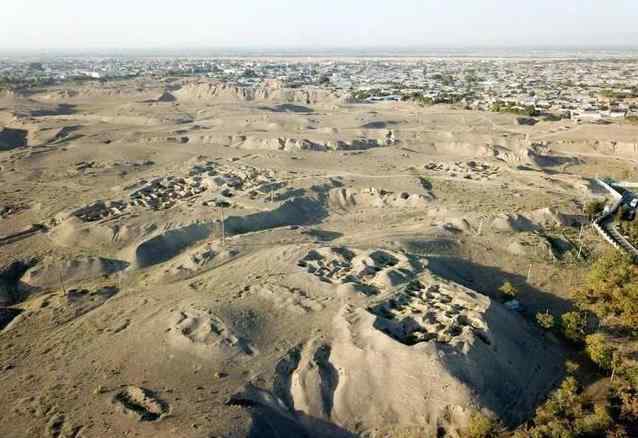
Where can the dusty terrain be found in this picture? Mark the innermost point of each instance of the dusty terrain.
(196, 260)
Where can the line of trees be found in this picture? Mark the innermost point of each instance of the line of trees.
(508, 107)
(604, 326)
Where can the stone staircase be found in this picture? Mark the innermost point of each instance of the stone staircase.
(605, 227)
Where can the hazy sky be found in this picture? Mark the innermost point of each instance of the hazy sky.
(76, 24)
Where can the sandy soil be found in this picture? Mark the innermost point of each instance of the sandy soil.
(199, 261)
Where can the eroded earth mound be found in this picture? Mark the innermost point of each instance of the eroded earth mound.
(193, 259)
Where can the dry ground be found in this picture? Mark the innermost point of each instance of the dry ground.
(354, 291)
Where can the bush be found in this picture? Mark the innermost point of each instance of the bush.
(571, 367)
(599, 351)
(567, 414)
(546, 320)
(508, 290)
(628, 398)
(611, 289)
(631, 374)
(595, 423)
(576, 326)
(594, 208)
(508, 107)
(629, 229)
(481, 426)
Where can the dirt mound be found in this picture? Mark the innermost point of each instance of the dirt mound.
(542, 155)
(429, 337)
(551, 217)
(288, 299)
(196, 330)
(44, 110)
(376, 198)
(296, 211)
(536, 220)
(127, 90)
(272, 91)
(472, 169)
(50, 273)
(58, 95)
(303, 144)
(12, 138)
(532, 245)
(368, 272)
(49, 136)
(169, 244)
(166, 97)
(199, 258)
(513, 223)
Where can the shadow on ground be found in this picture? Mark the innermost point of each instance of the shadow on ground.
(488, 279)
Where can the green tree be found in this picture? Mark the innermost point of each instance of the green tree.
(629, 229)
(599, 351)
(481, 426)
(611, 289)
(576, 325)
(567, 414)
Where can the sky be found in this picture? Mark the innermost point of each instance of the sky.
(157, 24)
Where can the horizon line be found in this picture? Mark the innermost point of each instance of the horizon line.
(303, 51)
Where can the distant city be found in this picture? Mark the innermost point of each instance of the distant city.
(586, 85)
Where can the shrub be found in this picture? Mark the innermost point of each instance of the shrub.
(546, 320)
(481, 426)
(594, 208)
(599, 351)
(567, 414)
(576, 326)
(629, 229)
(595, 423)
(571, 367)
(611, 289)
(628, 397)
(508, 290)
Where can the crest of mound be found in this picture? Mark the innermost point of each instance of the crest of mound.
(288, 144)
(270, 91)
(345, 199)
(455, 346)
(196, 330)
(50, 272)
(421, 356)
(536, 220)
(366, 271)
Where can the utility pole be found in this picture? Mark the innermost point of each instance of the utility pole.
(221, 214)
(62, 282)
(480, 227)
(580, 241)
